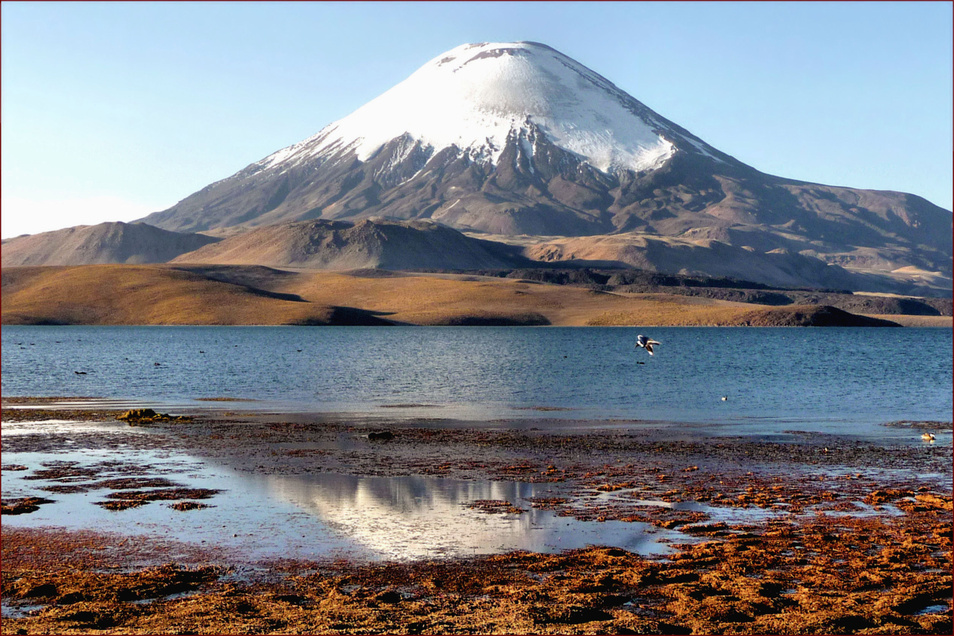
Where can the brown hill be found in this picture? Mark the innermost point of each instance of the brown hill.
(343, 245)
(131, 243)
(704, 257)
(235, 295)
(139, 294)
(811, 316)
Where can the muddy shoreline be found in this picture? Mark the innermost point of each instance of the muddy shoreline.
(855, 535)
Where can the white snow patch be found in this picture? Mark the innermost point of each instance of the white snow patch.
(443, 211)
(475, 96)
(527, 148)
(701, 148)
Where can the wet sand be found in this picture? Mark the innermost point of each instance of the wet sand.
(826, 534)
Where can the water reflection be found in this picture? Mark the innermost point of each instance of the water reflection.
(317, 516)
(417, 517)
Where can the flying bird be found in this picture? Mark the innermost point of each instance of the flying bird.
(645, 343)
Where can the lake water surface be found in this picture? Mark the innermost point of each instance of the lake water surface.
(843, 381)
(832, 379)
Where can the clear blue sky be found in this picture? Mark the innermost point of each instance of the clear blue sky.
(114, 110)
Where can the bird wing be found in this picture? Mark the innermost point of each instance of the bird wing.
(649, 348)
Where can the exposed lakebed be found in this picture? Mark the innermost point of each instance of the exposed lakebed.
(282, 500)
(283, 522)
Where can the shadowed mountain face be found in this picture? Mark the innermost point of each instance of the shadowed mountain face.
(133, 243)
(517, 139)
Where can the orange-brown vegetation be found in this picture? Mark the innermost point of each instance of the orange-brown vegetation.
(827, 576)
(171, 295)
(136, 294)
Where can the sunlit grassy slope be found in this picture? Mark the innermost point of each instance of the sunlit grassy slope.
(137, 294)
(249, 295)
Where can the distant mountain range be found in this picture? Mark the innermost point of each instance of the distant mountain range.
(520, 144)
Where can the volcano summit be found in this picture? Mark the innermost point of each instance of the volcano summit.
(504, 138)
(519, 140)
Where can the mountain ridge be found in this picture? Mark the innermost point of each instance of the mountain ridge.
(343, 245)
(112, 242)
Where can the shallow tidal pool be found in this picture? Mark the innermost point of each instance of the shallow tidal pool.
(318, 516)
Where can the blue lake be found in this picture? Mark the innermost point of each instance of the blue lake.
(847, 381)
(842, 381)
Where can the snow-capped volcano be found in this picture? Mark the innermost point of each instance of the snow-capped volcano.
(518, 139)
(509, 138)
(476, 97)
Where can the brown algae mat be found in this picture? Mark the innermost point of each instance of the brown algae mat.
(859, 540)
(826, 576)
